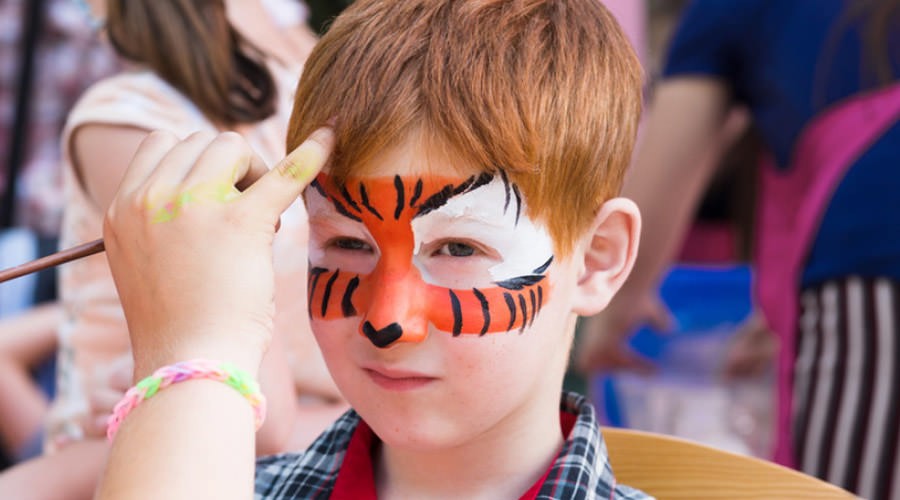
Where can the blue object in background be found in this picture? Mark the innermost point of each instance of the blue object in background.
(703, 301)
(17, 246)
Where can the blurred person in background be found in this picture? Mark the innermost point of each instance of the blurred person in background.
(62, 56)
(48, 57)
(194, 66)
(820, 78)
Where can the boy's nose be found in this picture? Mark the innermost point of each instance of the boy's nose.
(397, 309)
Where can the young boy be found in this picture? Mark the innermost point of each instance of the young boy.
(466, 216)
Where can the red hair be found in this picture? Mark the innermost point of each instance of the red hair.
(549, 91)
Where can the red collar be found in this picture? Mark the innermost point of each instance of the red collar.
(356, 479)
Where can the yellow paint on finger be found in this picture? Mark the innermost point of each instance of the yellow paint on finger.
(303, 163)
(221, 191)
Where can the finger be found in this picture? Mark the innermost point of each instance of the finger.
(584, 363)
(631, 361)
(102, 401)
(229, 162)
(94, 426)
(284, 183)
(151, 151)
(659, 318)
(175, 165)
(121, 378)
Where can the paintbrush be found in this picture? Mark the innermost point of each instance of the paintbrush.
(53, 259)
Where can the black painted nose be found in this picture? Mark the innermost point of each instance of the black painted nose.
(383, 337)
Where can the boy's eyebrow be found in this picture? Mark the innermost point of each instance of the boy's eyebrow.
(450, 191)
(341, 209)
(330, 214)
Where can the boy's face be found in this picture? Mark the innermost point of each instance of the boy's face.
(438, 304)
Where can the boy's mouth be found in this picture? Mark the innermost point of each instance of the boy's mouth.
(398, 380)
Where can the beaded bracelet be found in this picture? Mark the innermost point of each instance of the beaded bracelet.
(189, 370)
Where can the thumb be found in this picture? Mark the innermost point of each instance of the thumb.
(281, 186)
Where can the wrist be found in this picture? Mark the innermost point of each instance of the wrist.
(245, 356)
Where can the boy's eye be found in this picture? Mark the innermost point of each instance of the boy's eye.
(456, 249)
(352, 244)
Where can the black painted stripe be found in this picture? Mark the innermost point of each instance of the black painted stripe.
(462, 188)
(364, 198)
(511, 304)
(347, 300)
(506, 188)
(482, 179)
(435, 201)
(485, 310)
(543, 267)
(533, 306)
(401, 196)
(518, 202)
(457, 314)
(314, 275)
(417, 193)
(343, 210)
(346, 195)
(520, 282)
(326, 295)
(540, 298)
(441, 198)
(524, 313)
(318, 187)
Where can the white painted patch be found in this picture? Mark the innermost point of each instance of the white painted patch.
(479, 215)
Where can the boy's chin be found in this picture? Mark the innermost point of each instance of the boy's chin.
(422, 435)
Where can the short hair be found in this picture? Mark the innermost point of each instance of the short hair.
(548, 91)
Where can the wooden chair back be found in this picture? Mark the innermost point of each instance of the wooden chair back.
(674, 468)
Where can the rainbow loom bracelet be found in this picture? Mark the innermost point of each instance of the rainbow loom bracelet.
(189, 370)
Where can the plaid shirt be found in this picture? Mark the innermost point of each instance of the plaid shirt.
(581, 470)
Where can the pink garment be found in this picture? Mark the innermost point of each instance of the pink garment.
(94, 332)
(792, 205)
(632, 15)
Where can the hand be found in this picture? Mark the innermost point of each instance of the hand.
(189, 242)
(752, 350)
(107, 386)
(603, 345)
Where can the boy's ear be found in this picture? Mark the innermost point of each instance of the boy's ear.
(610, 249)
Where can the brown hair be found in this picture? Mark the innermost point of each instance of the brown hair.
(877, 22)
(191, 45)
(549, 91)
(880, 20)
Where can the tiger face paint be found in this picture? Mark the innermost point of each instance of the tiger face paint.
(404, 252)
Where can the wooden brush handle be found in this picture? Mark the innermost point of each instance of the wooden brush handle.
(54, 259)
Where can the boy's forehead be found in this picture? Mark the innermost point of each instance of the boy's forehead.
(414, 157)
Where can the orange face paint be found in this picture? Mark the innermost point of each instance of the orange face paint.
(395, 302)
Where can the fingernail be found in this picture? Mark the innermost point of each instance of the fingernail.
(324, 136)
